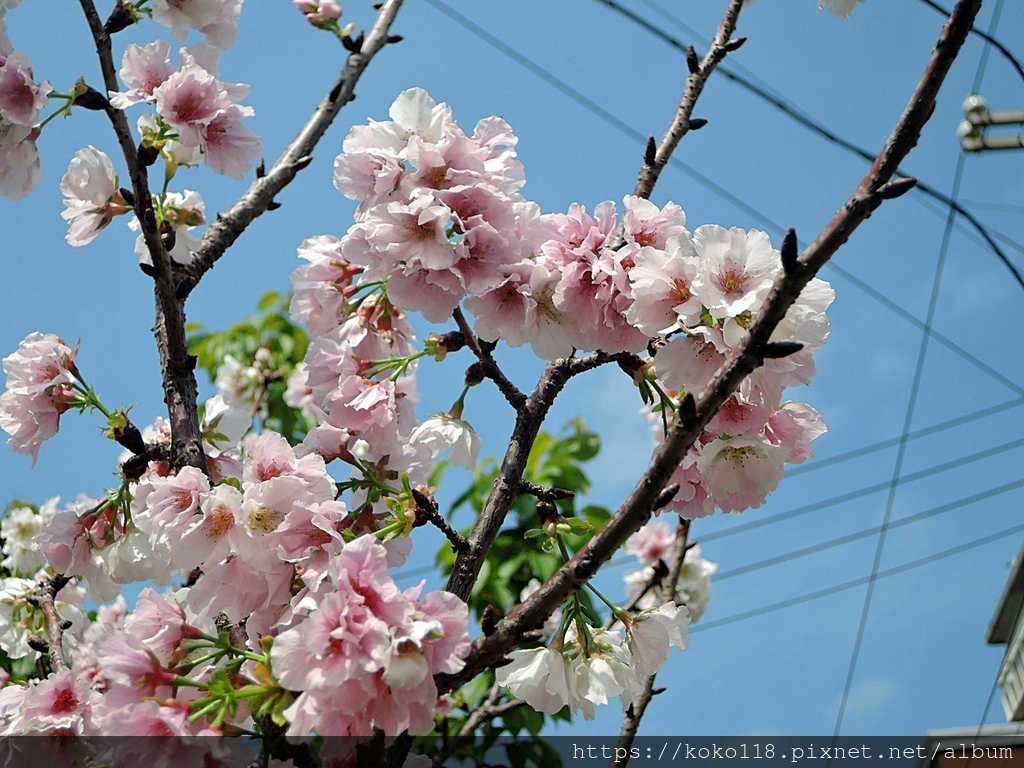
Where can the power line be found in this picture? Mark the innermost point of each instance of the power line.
(861, 492)
(832, 501)
(814, 126)
(856, 453)
(915, 388)
(984, 36)
(857, 582)
(725, 194)
(863, 534)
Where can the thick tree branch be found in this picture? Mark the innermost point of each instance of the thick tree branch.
(682, 121)
(44, 598)
(177, 366)
(636, 508)
(509, 484)
(223, 232)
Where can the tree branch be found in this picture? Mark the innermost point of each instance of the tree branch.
(507, 486)
(491, 708)
(667, 591)
(177, 366)
(490, 368)
(682, 122)
(229, 225)
(44, 598)
(694, 415)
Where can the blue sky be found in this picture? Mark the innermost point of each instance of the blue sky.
(923, 663)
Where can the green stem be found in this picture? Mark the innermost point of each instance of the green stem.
(64, 110)
(616, 610)
(180, 680)
(397, 525)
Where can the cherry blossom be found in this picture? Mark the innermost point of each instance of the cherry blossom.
(216, 19)
(21, 98)
(143, 70)
(365, 656)
(652, 632)
(40, 375)
(20, 168)
(440, 433)
(91, 195)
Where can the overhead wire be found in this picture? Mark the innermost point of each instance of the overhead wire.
(706, 182)
(839, 541)
(884, 574)
(990, 39)
(929, 332)
(911, 409)
(817, 127)
(841, 498)
(856, 453)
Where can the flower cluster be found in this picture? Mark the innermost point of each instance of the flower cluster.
(21, 101)
(441, 221)
(652, 546)
(41, 376)
(125, 668)
(365, 657)
(591, 665)
(289, 577)
(198, 117)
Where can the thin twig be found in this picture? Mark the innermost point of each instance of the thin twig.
(636, 508)
(682, 119)
(491, 709)
(230, 224)
(427, 511)
(177, 366)
(490, 367)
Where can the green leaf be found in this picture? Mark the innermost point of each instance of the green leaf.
(475, 691)
(578, 526)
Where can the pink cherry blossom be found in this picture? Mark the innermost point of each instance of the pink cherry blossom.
(59, 705)
(689, 362)
(216, 19)
(661, 286)
(189, 100)
(143, 70)
(736, 269)
(652, 543)
(21, 98)
(229, 146)
(159, 624)
(741, 472)
(20, 169)
(319, 13)
(165, 506)
(40, 375)
(646, 224)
